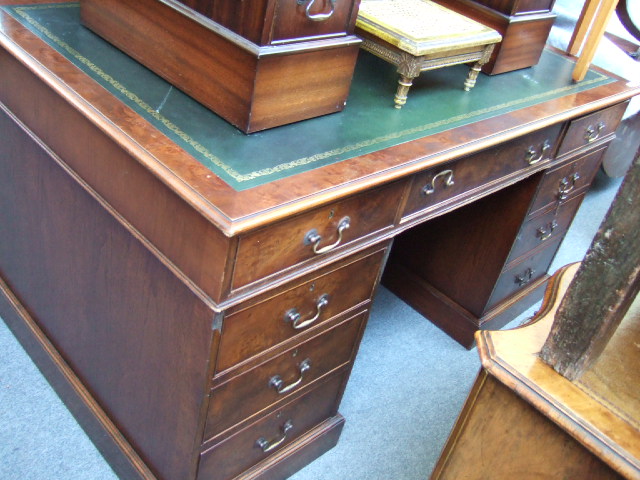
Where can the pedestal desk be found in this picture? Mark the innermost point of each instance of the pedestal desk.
(197, 307)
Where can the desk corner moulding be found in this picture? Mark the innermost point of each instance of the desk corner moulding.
(148, 281)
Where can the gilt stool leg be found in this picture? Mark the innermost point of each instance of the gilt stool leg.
(470, 82)
(404, 83)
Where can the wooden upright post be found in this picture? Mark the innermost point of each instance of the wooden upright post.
(589, 30)
(583, 25)
(604, 287)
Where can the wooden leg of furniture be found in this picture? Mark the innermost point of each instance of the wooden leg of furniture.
(594, 36)
(470, 82)
(404, 84)
(581, 30)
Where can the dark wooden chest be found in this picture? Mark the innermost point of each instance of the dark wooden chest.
(523, 24)
(257, 64)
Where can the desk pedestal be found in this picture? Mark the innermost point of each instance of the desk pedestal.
(481, 265)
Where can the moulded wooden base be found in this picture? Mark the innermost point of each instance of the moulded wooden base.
(456, 321)
(252, 87)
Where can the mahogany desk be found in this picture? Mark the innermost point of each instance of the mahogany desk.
(201, 322)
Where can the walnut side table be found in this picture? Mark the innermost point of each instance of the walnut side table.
(524, 420)
(420, 35)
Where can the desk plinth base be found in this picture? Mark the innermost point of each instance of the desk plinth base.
(448, 315)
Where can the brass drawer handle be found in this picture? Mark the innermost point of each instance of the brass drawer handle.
(294, 316)
(545, 232)
(269, 445)
(533, 156)
(567, 184)
(314, 238)
(525, 278)
(277, 382)
(431, 188)
(592, 133)
(317, 17)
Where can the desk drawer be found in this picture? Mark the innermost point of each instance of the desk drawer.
(315, 234)
(462, 178)
(566, 181)
(277, 21)
(279, 378)
(543, 228)
(305, 307)
(242, 450)
(292, 23)
(591, 128)
(518, 276)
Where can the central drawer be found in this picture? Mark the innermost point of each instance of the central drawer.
(456, 181)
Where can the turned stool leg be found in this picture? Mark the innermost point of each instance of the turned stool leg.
(470, 82)
(404, 83)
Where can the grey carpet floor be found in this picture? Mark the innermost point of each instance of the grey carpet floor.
(406, 390)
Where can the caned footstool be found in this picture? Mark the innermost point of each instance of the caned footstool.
(420, 35)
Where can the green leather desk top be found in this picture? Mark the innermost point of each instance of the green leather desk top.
(368, 123)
